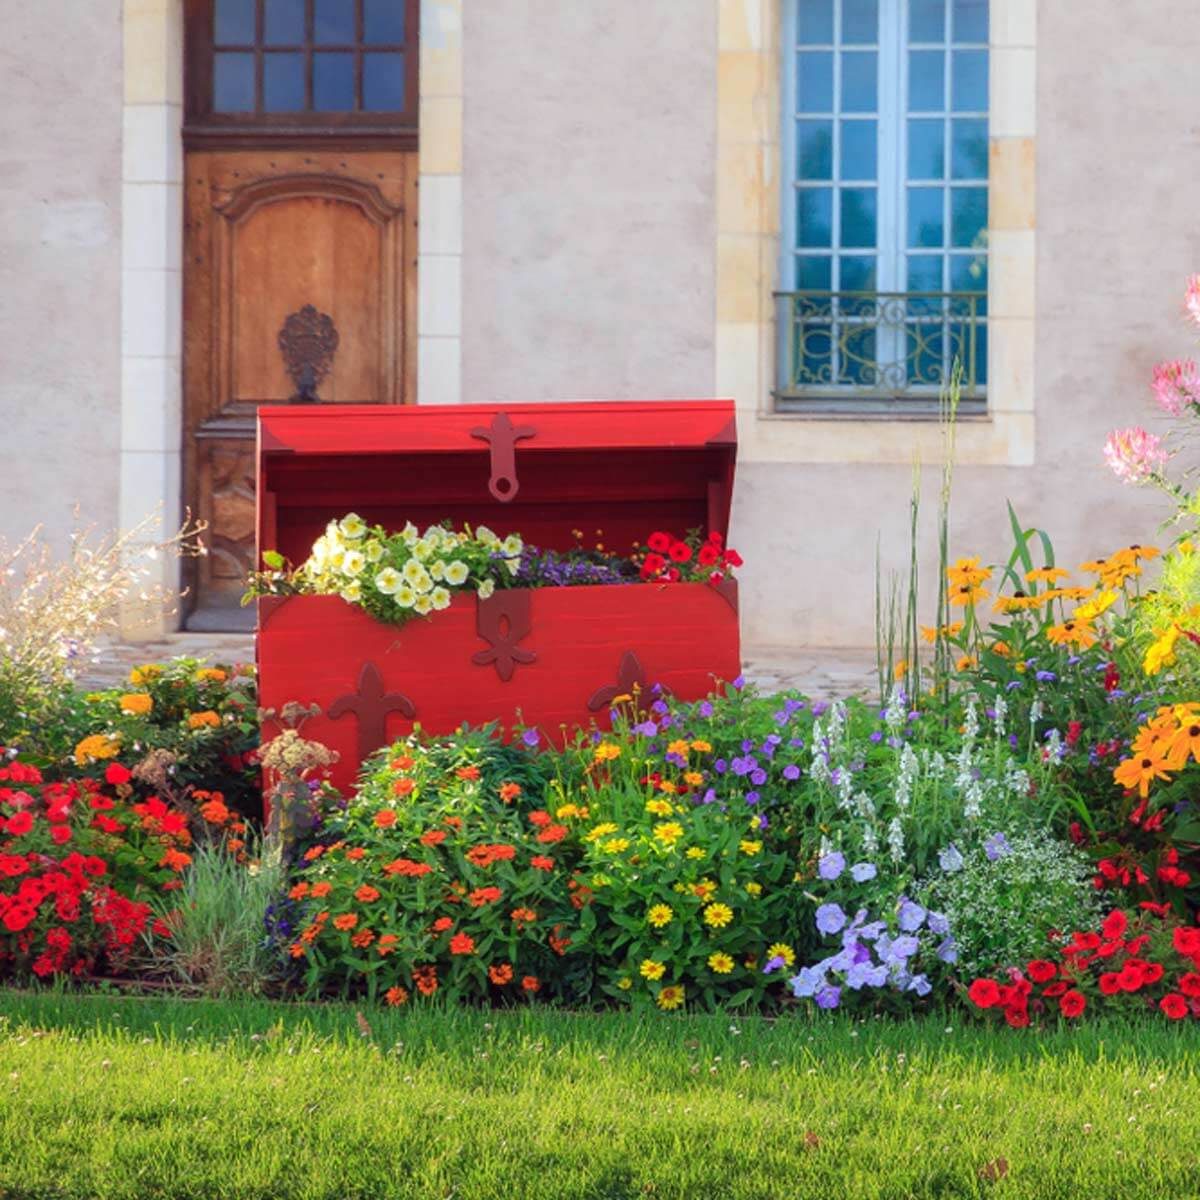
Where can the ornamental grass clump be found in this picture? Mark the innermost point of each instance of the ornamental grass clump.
(1003, 895)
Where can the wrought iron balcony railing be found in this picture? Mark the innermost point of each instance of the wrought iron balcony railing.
(879, 351)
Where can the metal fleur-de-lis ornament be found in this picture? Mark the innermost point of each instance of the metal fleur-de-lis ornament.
(371, 705)
(630, 676)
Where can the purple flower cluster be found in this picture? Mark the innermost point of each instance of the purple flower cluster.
(550, 568)
(871, 956)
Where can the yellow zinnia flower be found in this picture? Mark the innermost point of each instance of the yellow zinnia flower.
(679, 747)
(720, 963)
(599, 831)
(754, 889)
(669, 832)
(1162, 652)
(136, 704)
(782, 950)
(670, 997)
(660, 915)
(659, 808)
(625, 983)
(651, 969)
(718, 915)
(606, 752)
(701, 747)
(746, 846)
(695, 852)
(615, 845)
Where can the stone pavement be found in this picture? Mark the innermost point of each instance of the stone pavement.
(821, 672)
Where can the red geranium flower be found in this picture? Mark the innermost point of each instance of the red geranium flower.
(984, 993)
(1072, 1004)
(1174, 1006)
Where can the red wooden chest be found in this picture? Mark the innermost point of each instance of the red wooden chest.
(550, 658)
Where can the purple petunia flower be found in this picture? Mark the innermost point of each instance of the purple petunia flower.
(948, 951)
(720, 766)
(830, 918)
(758, 777)
(791, 772)
(831, 865)
(912, 916)
(877, 736)
(646, 729)
(531, 737)
(996, 847)
(1046, 677)
(738, 683)
(807, 981)
(920, 985)
(828, 997)
(774, 964)
(863, 872)
(706, 708)
(938, 923)
(752, 797)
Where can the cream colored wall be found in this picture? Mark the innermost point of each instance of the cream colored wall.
(60, 262)
(588, 205)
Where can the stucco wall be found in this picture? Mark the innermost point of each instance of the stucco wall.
(588, 199)
(60, 260)
(1117, 233)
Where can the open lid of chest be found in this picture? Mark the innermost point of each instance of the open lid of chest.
(614, 471)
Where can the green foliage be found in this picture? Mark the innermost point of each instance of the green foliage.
(1008, 895)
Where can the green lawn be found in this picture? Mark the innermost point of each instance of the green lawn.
(113, 1097)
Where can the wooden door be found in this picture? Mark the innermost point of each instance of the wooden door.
(300, 137)
(300, 281)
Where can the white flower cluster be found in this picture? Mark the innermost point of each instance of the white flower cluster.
(416, 572)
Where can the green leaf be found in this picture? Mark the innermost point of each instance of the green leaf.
(273, 559)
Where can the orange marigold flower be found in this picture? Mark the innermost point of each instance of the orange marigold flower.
(203, 720)
(500, 973)
(366, 893)
(385, 818)
(442, 924)
(176, 860)
(298, 892)
(542, 862)
(509, 792)
(362, 939)
(551, 834)
(434, 837)
(321, 889)
(345, 921)
(484, 895)
(531, 984)
(462, 943)
(396, 996)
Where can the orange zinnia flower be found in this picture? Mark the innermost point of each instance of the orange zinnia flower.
(402, 763)
(406, 866)
(298, 950)
(425, 977)
(355, 854)
(362, 939)
(442, 924)
(552, 833)
(531, 984)
(434, 837)
(524, 915)
(500, 973)
(453, 822)
(321, 889)
(467, 772)
(298, 892)
(366, 893)
(387, 944)
(175, 859)
(484, 895)
(462, 943)
(542, 862)
(396, 996)
(509, 792)
(385, 818)
(345, 921)
(403, 787)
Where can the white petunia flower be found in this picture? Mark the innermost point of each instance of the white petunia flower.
(456, 573)
(409, 534)
(486, 536)
(405, 597)
(352, 591)
(486, 588)
(352, 526)
(513, 544)
(389, 581)
(437, 569)
(413, 571)
(423, 605)
(373, 551)
(440, 598)
(354, 562)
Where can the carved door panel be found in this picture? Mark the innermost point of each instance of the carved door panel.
(300, 284)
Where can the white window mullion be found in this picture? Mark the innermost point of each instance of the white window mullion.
(889, 339)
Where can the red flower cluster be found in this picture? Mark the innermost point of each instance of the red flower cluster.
(674, 560)
(1111, 964)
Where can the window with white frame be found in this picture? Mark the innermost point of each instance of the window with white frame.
(883, 279)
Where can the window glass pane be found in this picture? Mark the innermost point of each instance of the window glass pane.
(816, 23)
(970, 80)
(814, 217)
(233, 23)
(333, 82)
(283, 82)
(981, 354)
(283, 22)
(814, 273)
(333, 22)
(857, 272)
(383, 21)
(859, 158)
(383, 82)
(859, 81)
(924, 272)
(233, 82)
(969, 156)
(925, 224)
(860, 22)
(968, 273)
(814, 81)
(926, 81)
(971, 21)
(856, 364)
(927, 20)
(858, 216)
(815, 149)
(926, 149)
(968, 215)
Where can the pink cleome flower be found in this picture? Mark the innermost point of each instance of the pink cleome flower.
(1191, 298)
(1176, 386)
(1134, 455)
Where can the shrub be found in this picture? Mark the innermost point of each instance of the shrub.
(439, 878)
(1004, 895)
